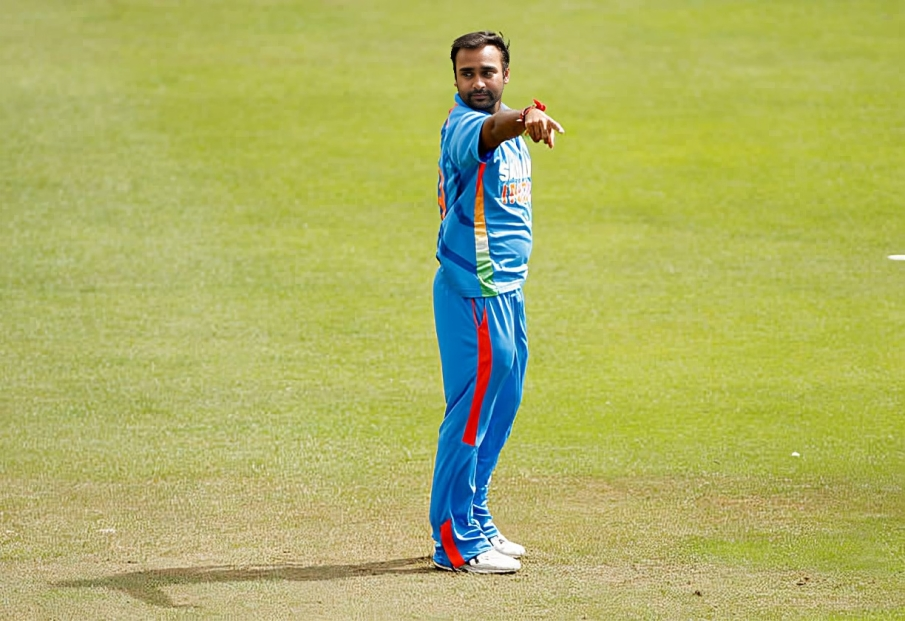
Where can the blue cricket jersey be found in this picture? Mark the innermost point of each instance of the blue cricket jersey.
(485, 208)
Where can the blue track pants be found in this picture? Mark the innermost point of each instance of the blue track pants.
(483, 353)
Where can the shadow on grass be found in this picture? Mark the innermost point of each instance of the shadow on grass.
(147, 585)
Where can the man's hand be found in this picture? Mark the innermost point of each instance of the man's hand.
(540, 127)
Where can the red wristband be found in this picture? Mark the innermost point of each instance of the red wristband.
(537, 104)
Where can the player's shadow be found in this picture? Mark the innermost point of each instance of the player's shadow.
(148, 585)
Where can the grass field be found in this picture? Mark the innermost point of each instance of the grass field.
(219, 384)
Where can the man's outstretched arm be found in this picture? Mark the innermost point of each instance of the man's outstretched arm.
(507, 124)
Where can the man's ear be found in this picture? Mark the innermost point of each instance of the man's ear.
(506, 76)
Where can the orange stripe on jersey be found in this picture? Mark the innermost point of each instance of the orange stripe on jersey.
(483, 263)
(441, 193)
(441, 190)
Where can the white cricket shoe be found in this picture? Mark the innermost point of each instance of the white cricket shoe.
(509, 548)
(492, 562)
(489, 562)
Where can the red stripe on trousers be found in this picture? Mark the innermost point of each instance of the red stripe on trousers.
(449, 544)
(485, 359)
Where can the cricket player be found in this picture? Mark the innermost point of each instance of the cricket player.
(484, 195)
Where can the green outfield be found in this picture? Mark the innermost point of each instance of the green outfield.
(219, 383)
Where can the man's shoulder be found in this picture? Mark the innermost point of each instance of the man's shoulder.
(462, 123)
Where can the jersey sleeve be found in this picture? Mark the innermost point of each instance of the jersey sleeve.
(464, 139)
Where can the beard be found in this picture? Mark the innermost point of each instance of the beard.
(482, 100)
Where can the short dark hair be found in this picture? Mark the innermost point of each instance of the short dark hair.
(477, 40)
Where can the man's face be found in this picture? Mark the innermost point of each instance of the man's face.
(480, 77)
